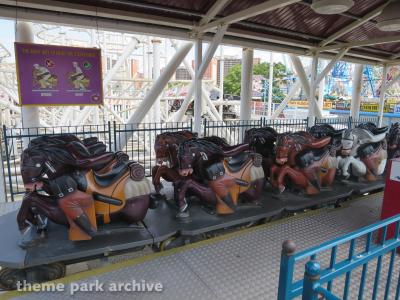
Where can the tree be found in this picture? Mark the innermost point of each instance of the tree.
(232, 80)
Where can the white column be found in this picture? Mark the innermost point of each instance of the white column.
(156, 73)
(246, 92)
(312, 104)
(221, 80)
(382, 95)
(198, 104)
(356, 91)
(29, 115)
(271, 83)
(321, 89)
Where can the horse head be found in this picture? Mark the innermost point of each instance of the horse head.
(393, 137)
(166, 145)
(353, 138)
(194, 153)
(284, 143)
(261, 140)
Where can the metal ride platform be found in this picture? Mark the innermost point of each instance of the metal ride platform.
(161, 225)
(239, 265)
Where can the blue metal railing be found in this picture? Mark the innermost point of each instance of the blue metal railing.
(311, 287)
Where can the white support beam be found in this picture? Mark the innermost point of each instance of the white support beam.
(198, 103)
(252, 11)
(155, 91)
(213, 11)
(382, 95)
(212, 47)
(363, 43)
(298, 67)
(330, 66)
(377, 11)
(292, 92)
(392, 82)
(132, 45)
(356, 92)
(156, 73)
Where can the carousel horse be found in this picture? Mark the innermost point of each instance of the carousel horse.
(166, 146)
(372, 128)
(305, 160)
(262, 141)
(363, 154)
(79, 190)
(222, 180)
(393, 141)
(326, 130)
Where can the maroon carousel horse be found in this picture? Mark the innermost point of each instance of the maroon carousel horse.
(216, 179)
(82, 189)
(262, 141)
(305, 160)
(393, 141)
(166, 149)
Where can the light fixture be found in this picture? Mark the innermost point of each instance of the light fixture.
(389, 19)
(331, 7)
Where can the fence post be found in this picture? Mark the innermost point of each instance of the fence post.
(286, 270)
(115, 135)
(191, 124)
(8, 163)
(350, 123)
(308, 122)
(205, 128)
(109, 136)
(310, 282)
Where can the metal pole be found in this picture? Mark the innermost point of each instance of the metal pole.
(382, 95)
(198, 107)
(156, 73)
(29, 115)
(246, 92)
(221, 80)
(154, 92)
(271, 80)
(356, 92)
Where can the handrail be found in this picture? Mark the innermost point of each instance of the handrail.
(314, 277)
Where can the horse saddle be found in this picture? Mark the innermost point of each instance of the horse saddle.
(230, 151)
(236, 163)
(308, 157)
(112, 176)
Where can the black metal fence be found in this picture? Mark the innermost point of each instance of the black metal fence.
(139, 139)
(232, 131)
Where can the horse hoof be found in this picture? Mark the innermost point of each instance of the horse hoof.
(183, 215)
(155, 200)
(30, 238)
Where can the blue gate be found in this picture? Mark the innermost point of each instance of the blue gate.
(377, 240)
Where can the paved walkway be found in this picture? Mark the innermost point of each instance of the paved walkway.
(242, 265)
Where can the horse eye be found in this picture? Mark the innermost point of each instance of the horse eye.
(193, 154)
(37, 165)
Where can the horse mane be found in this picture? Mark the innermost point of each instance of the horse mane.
(217, 140)
(202, 144)
(59, 139)
(54, 153)
(255, 135)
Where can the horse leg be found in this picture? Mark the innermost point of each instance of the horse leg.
(36, 204)
(79, 210)
(300, 180)
(221, 186)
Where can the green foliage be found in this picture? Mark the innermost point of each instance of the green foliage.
(232, 80)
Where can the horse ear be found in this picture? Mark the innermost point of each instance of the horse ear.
(204, 156)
